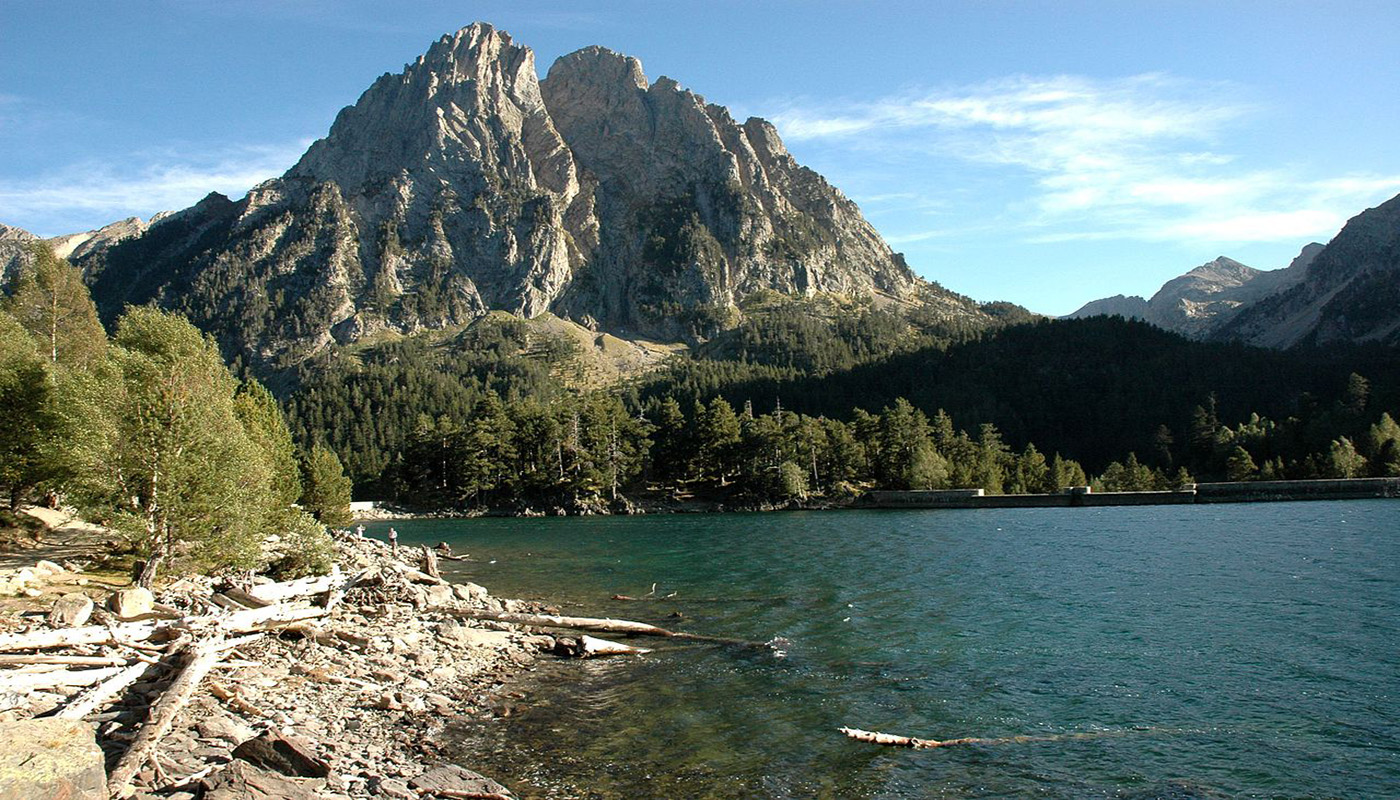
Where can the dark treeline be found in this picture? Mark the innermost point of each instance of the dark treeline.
(1093, 389)
(594, 453)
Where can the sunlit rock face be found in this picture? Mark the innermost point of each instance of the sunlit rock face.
(465, 184)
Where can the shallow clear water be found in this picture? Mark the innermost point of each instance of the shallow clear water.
(1206, 651)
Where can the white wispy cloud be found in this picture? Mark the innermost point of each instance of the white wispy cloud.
(90, 194)
(1144, 157)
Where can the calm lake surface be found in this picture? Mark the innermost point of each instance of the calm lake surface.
(1170, 651)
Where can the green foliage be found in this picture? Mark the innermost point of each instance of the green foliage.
(265, 426)
(1240, 466)
(1343, 461)
(306, 548)
(28, 422)
(50, 300)
(161, 453)
(326, 488)
(367, 408)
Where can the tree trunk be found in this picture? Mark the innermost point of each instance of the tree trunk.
(147, 578)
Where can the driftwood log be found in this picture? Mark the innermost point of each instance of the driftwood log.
(202, 655)
(103, 693)
(585, 646)
(75, 661)
(242, 621)
(23, 682)
(622, 626)
(892, 740)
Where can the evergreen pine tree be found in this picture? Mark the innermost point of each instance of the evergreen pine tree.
(327, 493)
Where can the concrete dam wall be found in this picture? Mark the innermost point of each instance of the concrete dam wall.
(1082, 496)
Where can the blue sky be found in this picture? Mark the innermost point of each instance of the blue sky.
(1043, 153)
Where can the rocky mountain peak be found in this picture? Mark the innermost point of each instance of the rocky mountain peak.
(599, 67)
(1346, 291)
(465, 184)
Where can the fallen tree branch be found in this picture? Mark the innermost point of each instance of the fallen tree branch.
(235, 701)
(301, 587)
(24, 682)
(89, 634)
(77, 661)
(128, 633)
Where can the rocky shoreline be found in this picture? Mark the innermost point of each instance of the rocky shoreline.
(345, 703)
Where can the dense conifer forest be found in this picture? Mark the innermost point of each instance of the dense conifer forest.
(791, 406)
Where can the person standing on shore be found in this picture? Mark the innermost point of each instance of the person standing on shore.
(394, 540)
(360, 531)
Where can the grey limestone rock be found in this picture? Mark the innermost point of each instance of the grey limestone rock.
(50, 758)
(71, 610)
(131, 603)
(243, 781)
(454, 778)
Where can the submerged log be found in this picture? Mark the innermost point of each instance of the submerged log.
(594, 624)
(585, 646)
(891, 740)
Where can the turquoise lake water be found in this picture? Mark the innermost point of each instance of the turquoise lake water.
(1170, 651)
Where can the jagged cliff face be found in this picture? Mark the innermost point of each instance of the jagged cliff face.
(465, 183)
(1350, 292)
(695, 209)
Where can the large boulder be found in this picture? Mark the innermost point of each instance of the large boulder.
(71, 611)
(132, 603)
(284, 754)
(50, 759)
(450, 778)
(243, 781)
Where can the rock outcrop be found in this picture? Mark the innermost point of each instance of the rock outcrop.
(695, 209)
(465, 184)
(16, 252)
(50, 758)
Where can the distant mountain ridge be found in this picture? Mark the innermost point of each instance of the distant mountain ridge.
(1202, 301)
(1345, 291)
(465, 184)
(1350, 292)
(15, 243)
